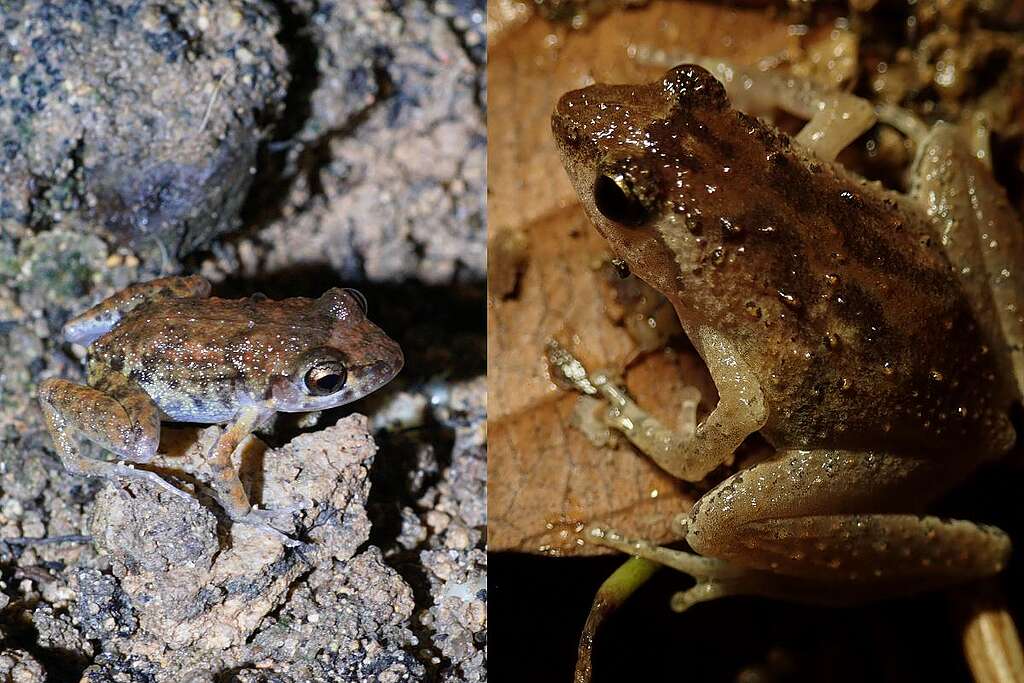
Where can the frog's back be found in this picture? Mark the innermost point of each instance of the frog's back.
(200, 359)
(839, 294)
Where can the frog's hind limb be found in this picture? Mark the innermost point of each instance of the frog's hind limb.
(117, 415)
(803, 525)
(696, 449)
(89, 326)
(834, 118)
(980, 232)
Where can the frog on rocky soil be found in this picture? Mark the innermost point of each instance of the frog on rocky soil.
(164, 351)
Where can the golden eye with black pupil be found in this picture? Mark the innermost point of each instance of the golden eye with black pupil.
(325, 378)
(626, 192)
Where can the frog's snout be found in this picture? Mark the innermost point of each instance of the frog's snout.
(392, 364)
(565, 132)
(382, 372)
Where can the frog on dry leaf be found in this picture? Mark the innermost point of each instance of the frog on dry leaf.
(874, 338)
(163, 350)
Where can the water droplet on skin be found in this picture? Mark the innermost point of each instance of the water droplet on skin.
(831, 279)
(718, 256)
(936, 376)
(730, 227)
(832, 340)
(789, 299)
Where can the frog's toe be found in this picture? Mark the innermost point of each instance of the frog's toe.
(128, 471)
(261, 519)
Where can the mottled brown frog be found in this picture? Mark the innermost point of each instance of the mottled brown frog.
(163, 350)
(875, 338)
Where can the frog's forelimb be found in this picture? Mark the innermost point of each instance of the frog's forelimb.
(697, 449)
(230, 493)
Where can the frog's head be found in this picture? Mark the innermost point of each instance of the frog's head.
(646, 161)
(348, 357)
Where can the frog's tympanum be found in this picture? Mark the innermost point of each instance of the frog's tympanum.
(163, 350)
(874, 338)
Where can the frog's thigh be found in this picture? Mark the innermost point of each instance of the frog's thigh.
(230, 492)
(89, 326)
(980, 232)
(691, 454)
(813, 515)
(117, 415)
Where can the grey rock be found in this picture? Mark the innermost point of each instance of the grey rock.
(153, 531)
(137, 119)
(194, 603)
(57, 633)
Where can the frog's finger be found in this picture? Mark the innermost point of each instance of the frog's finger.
(259, 519)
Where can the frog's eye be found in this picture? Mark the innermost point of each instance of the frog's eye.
(325, 378)
(626, 192)
(617, 202)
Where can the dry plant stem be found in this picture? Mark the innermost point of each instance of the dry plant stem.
(47, 540)
(615, 590)
(990, 640)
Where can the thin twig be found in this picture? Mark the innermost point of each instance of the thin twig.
(213, 100)
(47, 540)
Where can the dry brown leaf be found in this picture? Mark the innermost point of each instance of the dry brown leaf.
(545, 477)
